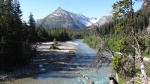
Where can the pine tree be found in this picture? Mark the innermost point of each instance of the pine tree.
(126, 7)
(32, 29)
(14, 51)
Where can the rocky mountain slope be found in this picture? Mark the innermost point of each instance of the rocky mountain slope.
(106, 18)
(61, 18)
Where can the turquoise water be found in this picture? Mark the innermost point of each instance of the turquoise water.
(84, 56)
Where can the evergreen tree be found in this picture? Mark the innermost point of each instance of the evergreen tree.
(130, 47)
(32, 29)
(14, 51)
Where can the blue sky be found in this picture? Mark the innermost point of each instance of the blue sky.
(89, 8)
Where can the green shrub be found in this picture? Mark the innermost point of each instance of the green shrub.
(116, 62)
(54, 47)
(55, 42)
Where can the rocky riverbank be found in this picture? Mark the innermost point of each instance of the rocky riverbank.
(46, 60)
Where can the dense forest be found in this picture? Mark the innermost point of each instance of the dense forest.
(14, 36)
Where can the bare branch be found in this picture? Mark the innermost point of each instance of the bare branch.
(88, 79)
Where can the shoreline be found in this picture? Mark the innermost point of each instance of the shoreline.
(46, 60)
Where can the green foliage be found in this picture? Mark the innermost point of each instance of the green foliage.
(121, 7)
(116, 62)
(118, 44)
(55, 42)
(121, 80)
(125, 8)
(123, 66)
(15, 49)
(54, 47)
(42, 35)
(144, 44)
(79, 33)
(32, 29)
(119, 27)
(141, 20)
(148, 68)
(125, 46)
(92, 41)
(108, 28)
(147, 41)
(60, 34)
(112, 43)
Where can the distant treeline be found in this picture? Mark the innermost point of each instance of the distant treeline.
(60, 34)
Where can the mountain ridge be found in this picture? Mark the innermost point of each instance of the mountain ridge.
(106, 18)
(62, 18)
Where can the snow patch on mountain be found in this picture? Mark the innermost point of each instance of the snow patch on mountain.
(62, 18)
(106, 18)
(83, 19)
(93, 20)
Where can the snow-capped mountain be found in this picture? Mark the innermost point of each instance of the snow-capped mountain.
(83, 19)
(62, 18)
(105, 19)
(108, 18)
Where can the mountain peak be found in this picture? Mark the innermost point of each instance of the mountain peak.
(62, 18)
(59, 8)
(59, 11)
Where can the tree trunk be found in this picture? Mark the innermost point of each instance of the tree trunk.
(143, 75)
(117, 77)
(131, 22)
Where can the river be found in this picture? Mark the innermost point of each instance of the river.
(84, 56)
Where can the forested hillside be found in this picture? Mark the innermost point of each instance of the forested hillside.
(141, 21)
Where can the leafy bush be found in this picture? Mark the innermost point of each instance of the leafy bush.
(116, 62)
(92, 41)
